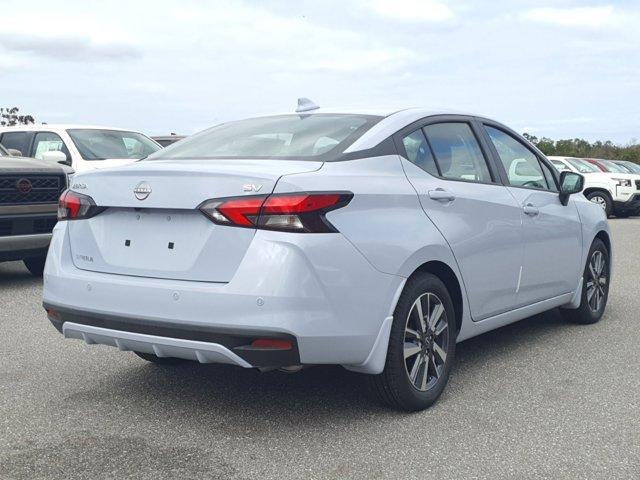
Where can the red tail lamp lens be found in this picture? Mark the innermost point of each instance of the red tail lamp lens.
(75, 206)
(290, 212)
(272, 344)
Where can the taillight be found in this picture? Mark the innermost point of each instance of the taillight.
(290, 212)
(75, 206)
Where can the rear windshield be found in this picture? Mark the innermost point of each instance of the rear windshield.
(94, 144)
(316, 136)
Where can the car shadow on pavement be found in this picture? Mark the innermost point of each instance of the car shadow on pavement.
(15, 274)
(236, 400)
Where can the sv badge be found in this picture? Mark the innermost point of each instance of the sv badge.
(250, 187)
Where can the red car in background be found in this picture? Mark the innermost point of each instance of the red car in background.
(607, 165)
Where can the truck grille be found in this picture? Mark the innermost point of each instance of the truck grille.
(30, 188)
(26, 225)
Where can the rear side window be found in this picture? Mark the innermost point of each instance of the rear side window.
(521, 164)
(457, 152)
(16, 140)
(419, 152)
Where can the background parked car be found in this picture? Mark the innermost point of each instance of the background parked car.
(632, 167)
(79, 146)
(616, 193)
(29, 192)
(166, 140)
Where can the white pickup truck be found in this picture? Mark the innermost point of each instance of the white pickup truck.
(617, 193)
(81, 147)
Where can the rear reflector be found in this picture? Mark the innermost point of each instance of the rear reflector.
(291, 212)
(271, 344)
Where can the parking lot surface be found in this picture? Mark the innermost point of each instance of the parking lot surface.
(538, 399)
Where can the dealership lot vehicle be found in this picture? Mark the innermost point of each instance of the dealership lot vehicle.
(166, 140)
(327, 237)
(630, 166)
(82, 147)
(618, 192)
(29, 192)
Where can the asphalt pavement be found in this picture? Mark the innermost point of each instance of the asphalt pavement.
(539, 399)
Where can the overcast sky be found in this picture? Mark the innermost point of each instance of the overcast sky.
(555, 68)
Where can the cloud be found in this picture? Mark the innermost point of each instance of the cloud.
(412, 10)
(380, 58)
(574, 17)
(67, 48)
(287, 44)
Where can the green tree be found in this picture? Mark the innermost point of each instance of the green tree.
(11, 116)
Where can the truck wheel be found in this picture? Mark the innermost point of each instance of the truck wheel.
(422, 346)
(35, 265)
(602, 199)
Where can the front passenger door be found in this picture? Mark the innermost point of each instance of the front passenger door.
(552, 231)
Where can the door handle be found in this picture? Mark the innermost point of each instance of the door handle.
(441, 195)
(531, 210)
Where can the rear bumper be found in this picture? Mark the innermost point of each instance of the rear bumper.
(204, 344)
(17, 247)
(317, 291)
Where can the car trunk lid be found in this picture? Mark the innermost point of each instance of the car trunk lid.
(158, 231)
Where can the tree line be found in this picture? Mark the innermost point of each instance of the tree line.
(578, 147)
(10, 116)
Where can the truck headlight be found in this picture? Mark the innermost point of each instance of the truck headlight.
(622, 182)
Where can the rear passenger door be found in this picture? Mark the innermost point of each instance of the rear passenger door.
(460, 191)
(552, 231)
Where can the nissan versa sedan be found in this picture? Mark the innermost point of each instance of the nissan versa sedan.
(371, 240)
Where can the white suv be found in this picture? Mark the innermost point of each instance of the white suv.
(80, 146)
(616, 193)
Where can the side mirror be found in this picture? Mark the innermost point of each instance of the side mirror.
(55, 156)
(14, 153)
(570, 183)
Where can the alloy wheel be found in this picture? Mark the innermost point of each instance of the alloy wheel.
(426, 337)
(597, 282)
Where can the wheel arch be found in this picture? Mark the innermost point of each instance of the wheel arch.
(590, 190)
(606, 239)
(447, 275)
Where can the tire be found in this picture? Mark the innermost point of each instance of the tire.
(150, 357)
(35, 265)
(623, 214)
(394, 386)
(603, 199)
(587, 312)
